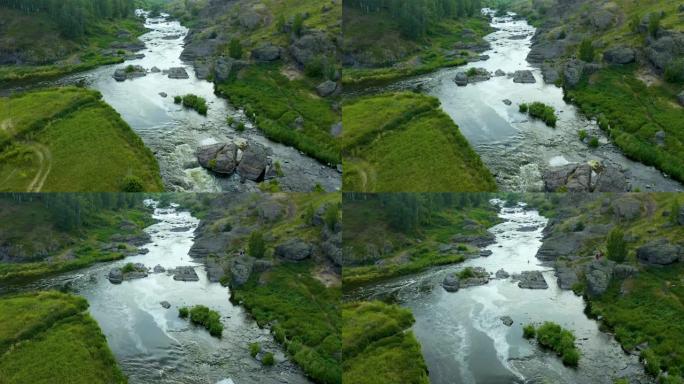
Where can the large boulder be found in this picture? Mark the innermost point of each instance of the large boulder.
(294, 250)
(659, 252)
(451, 283)
(573, 72)
(266, 52)
(240, 270)
(185, 274)
(661, 51)
(219, 157)
(597, 282)
(626, 208)
(610, 179)
(312, 45)
(550, 73)
(567, 277)
(461, 79)
(620, 55)
(532, 280)
(601, 19)
(254, 162)
(226, 69)
(326, 88)
(129, 72)
(524, 77)
(680, 98)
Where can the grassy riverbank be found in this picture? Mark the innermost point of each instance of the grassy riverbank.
(404, 142)
(68, 139)
(304, 316)
(40, 245)
(378, 346)
(47, 54)
(48, 337)
(632, 113)
(379, 246)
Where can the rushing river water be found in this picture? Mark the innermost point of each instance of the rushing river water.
(464, 339)
(173, 132)
(516, 149)
(151, 343)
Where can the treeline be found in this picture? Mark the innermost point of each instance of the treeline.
(74, 16)
(415, 16)
(73, 211)
(407, 212)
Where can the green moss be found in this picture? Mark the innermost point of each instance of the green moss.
(404, 142)
(378, 346)
(53, 329)
(54, 143)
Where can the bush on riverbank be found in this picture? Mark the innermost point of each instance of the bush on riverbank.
(540, 111)
(554, 337)
(201, 315)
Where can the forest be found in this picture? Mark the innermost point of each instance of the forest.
(74, 16)
(416, 16)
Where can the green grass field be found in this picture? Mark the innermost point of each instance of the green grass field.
(47, 337)
(378, 347)
(68, 139)
(403, 142)
(633, 113)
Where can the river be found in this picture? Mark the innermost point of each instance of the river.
(516, 149)
(462, 335)
(173, 132)
(151, 343)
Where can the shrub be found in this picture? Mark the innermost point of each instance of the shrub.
(280, 24)
(254, 349)
(579, 227)
(653, 24)
(616, 246)
(201, 315)
(128, 268)
(315, 68)
(240, 127)
(466, 273)
(561, 341)
(132, 184)
(177, 99)
(298, 24)
(256, 246)
(279, 169)
(651, 362)
(540, 111)
(130, 69)
(461, 248)
(674, 72)
(195, 102)
(331, 216)
(471, 72)
(183, 312)
(582, 134)
(318, 188)
(594, 142)
(235, 49)
(529, 332)
(230, 120)
(674, 211)
(586, 51)
(268, 359)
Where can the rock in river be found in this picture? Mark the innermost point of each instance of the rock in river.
(501, 274)
(129, 72)
(254, 162)
(178, 73)
(185, 274)
(451, 283)
(532, 280)
(165, 304)
(219, 157)
(506, 320)
(524, 77)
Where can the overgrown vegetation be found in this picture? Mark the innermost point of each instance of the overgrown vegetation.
(303, 314)
(632, 113)
(540, 111)
(202, 315)
(51, 141)
(48, 337)
(378, 347)
(553, 336)
(191, 101)
(404, 142)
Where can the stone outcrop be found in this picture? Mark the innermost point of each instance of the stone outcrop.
(226, 68)
(585, 178)
(129, 72)
(659, 252)
(118, 275)
(177, 73)
(266, 52)
(185, 274)
(619, 55)
(524, 77)
(251, 162)
(531, 280)
(294, 250)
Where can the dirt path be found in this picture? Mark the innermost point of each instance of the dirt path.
(45, 163)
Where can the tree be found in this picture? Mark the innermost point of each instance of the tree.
(616, 246)
(674, 211)
(298, 24)
(586, 51)
(256, 246)
(235, 49)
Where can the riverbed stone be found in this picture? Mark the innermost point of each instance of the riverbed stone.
(659, 252)
(506, 320)
(524, 77)
(626, 208)
(451, 283)
(159, 269)
(486, 253)
(294, 250)
(165, 304)
(326, 88)
(550, 73)
(129, 72)
(501, 274)
(532, 280)
(178, 73)
(185, 274)
(461, 79)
